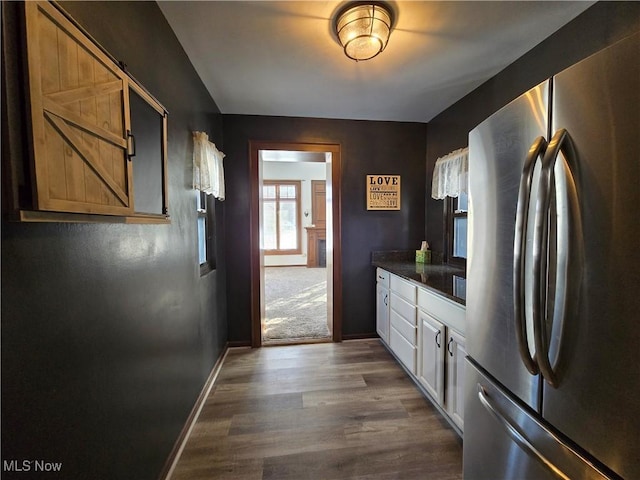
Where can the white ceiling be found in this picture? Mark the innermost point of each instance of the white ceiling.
(283, 58)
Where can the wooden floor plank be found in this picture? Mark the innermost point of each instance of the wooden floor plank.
(320, 411)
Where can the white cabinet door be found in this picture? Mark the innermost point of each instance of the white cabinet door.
(382, 312)
(431, 362)
(455, 377)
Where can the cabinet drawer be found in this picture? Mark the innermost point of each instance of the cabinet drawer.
(405, 352)
(404, 308)
(404, 288)
(407, 329)
(450, 313)
(382, 277)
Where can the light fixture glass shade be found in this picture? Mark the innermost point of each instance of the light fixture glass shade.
(363, 30)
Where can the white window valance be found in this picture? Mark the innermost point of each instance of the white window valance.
(208, 171)
(450, 174)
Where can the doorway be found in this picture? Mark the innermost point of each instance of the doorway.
(311, 251)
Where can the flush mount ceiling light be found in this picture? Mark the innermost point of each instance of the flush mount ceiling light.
(363, 29)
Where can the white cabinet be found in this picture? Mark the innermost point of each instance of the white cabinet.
(425, 331)
(431, 353)
(382, 312)
(447, 311)
(403, 331)
(382, 304)
(441, 353)
(454, 403)
(403, 288)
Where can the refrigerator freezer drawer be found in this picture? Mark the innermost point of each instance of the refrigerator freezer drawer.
(502, 440)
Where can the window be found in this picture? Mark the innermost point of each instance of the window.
(450, 183)
(281, 217)
(455, 213)
(206, 232)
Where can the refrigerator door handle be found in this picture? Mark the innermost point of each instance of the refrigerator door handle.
(521, 440)
(522, 213)
(560, 142)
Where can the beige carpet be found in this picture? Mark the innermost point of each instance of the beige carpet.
(295, 303)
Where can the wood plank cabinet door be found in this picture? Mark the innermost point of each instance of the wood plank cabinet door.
(79, 119)
(431, 353)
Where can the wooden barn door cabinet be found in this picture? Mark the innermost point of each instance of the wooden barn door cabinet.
(96, 139)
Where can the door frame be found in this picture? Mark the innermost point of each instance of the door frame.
(254, 216)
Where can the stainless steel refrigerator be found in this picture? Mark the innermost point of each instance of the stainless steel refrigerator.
(553, 278)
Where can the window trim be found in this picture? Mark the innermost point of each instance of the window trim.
(298, 200)
(208, 213)
(449, 215)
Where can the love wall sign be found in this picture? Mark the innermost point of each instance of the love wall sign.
(383, 192)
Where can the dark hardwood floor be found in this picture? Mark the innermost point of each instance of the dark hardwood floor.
(321, 411)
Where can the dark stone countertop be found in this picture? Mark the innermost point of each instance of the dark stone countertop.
(444, 280)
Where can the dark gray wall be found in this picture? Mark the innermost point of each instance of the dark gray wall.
(599, 26)
(366, 148)
(108, 331)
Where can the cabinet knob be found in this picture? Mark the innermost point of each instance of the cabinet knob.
(438, 339)
(449, 346)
